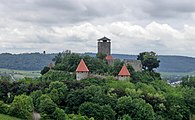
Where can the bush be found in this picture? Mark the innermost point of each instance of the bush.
(22, 107)
(4, 108)
(91, 110)
(46, 105)
(59, 114)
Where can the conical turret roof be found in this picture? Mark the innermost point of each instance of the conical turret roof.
(124, 71)
(82, 67)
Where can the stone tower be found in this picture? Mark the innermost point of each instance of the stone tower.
(124, 73)
(82, 71)
(104, 46)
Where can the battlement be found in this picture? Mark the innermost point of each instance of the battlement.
(136, 64)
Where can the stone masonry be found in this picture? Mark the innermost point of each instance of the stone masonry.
(104, 46)
(136, 64)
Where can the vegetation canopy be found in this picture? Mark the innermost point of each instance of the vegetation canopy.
(57, 95)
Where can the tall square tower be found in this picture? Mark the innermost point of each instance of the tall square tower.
(104, 46)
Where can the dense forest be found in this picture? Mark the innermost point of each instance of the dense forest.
(36, 61)
(26, 61)
(57, 95)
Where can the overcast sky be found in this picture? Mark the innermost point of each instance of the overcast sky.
(164, 26)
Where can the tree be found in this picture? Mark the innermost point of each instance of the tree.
(74, 99)
(140, 110)
(57, 91)
(35, 95)
(46, 105)
(22, 107)
(4, 108)
(117, 67)
(108, 113)
(130, 68)
(45, 70)
(136, 108)
(124, 106)
(101, 56)
(188, 81)
(149, 60)
(59, 114)
(91, 110)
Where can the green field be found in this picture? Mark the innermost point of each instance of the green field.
(6, 117)
(19, 74)
(174, 76)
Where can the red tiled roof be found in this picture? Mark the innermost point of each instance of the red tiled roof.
(109, 57)
(124, 71)
(82, 67)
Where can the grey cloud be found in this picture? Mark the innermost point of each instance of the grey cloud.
(81, 22)
(169, 8)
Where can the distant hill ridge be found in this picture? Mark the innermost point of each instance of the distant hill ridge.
(36, 61)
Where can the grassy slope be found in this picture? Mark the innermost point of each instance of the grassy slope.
(6, 117)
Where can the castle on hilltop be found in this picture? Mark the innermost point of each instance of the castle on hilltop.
(104, 46)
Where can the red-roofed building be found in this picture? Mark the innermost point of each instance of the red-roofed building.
(124, 73)
(82, 71)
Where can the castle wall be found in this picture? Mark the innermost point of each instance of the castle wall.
(81, 75)
(123, 77)
(136, 64)
(104, 47)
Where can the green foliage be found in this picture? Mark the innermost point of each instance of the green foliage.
(22, 107)
(124, 105)
(57, 96)
(108, 113)
(6, 117)
(101, 56)
(46, 105)
(74, 99)
(118, 88)
(189, 98)
(68, 62)
(58, 85)
(94, 81)
(141, 110)
(77, 117)
(91, 110)
(149, 60)
(4, 89)
(144, 76)
(126, 117)
(59, 114)
(35, 95)
(136, 108)
(188, 81)
(45, 70)
(54, 75)
(4, 108)
(57, 91)
(116, 67)
(130, 68)
(96, 111)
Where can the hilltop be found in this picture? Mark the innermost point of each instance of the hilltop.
(36, 61)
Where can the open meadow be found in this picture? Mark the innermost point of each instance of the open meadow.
(19, 74)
